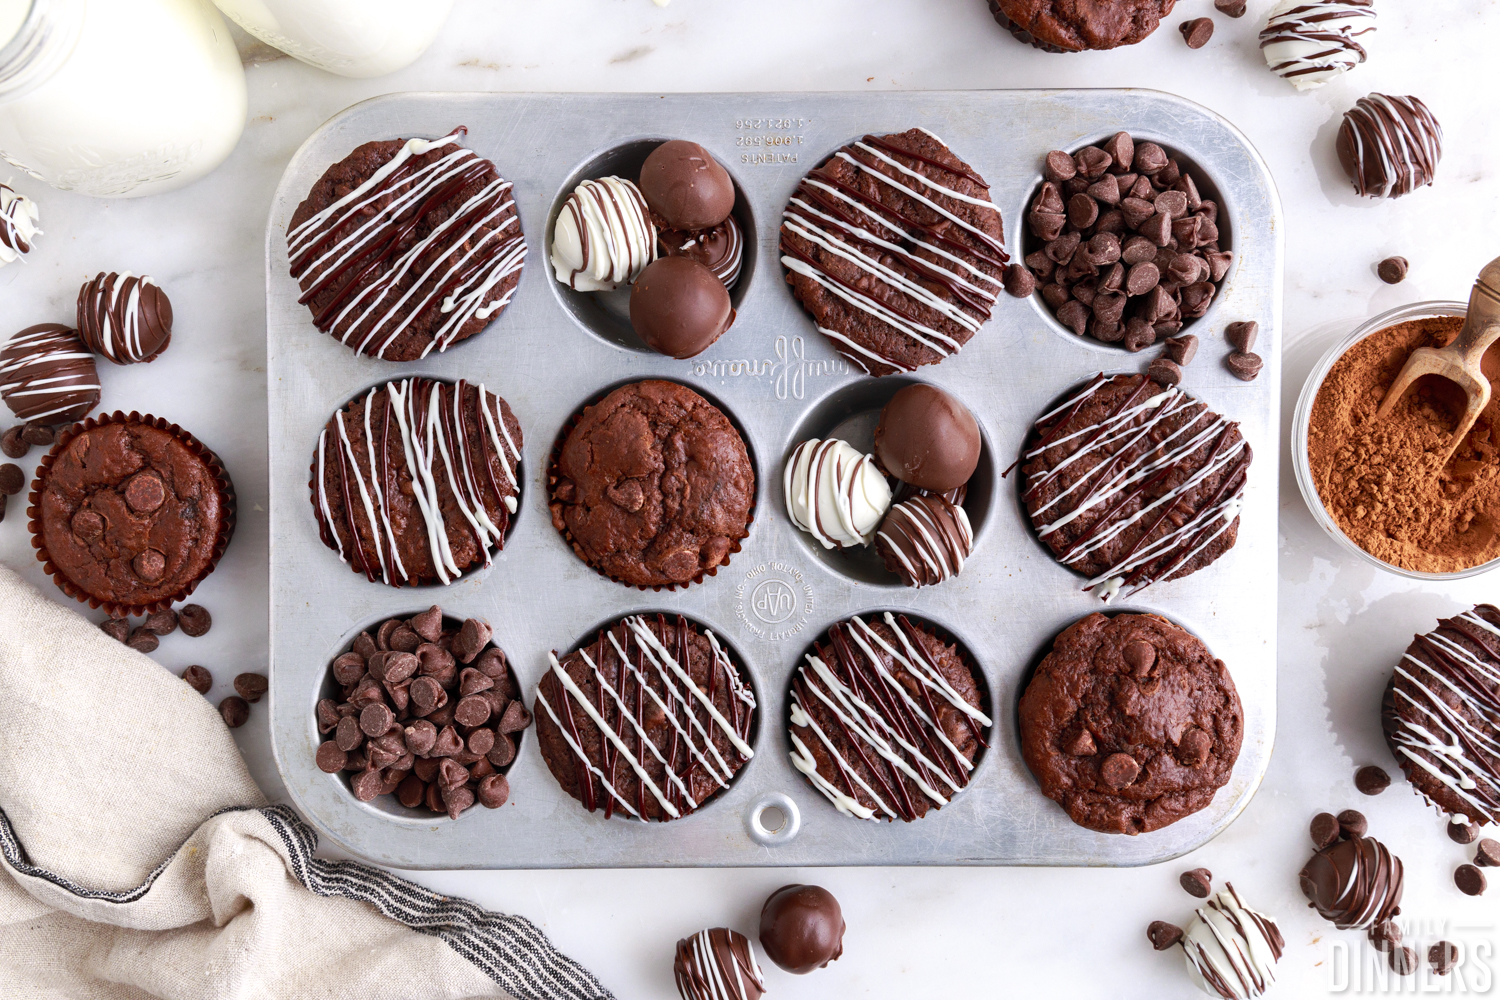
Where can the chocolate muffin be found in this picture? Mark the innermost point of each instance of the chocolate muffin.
(1130, 481)
(652, 486)
(1130, 724)
(130, 513)
(407, 245)
(1439, 714)
(894, 248)
(622, 728)
(868, 681)
(416, 481)
(1071, 26)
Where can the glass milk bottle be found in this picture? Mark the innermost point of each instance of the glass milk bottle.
(347, 37)
(118, 98)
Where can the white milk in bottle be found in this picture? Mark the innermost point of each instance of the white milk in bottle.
(347, 37)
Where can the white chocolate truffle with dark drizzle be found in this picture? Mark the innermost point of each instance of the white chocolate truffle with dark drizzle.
(1232, 950)
(18, 229)
(47, 374)
(124, 318)
(1309, 42)
(835, 493)
(604, 237)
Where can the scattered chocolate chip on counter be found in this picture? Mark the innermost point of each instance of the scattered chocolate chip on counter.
(1462, 833)
(1352, 824)
(1470, 880)
(194, 619)
(1404, 960)
(161, 622)
(1442, 957)
(1163, 935)
(1197, 32)
(143, 640)
(12, 479)
(1230, 8)
(1182, 349)
(12, 443)
(1385, 936)
(251, 687)
(1324, 830)
(198, 678)
(116, 628)
(1242, 336)
(1243, 366)
(235, 710)
(1392, 270)
(1372, 780)
(1488, 853)
(1018, 281)
(1164, 371)
(1197, 882)
(38, 434)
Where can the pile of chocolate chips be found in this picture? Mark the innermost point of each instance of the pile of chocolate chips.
(1125, 249)
(428, 711)
(15, 443)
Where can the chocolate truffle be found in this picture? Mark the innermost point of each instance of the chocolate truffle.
(1232, 950)
(717, 964)
(835, 493)
(700, 727)
(124, 318)
(604, 237)
(48, 375)
(686, 187)
(928, 439)
(1309, 43)
(679, 307)
(389, 496)
(840, 741)
(1354, 883)
(721, 249)
(802, 928)
(18, 231)
(1389, 146)
(1439, 717)
(925, 540)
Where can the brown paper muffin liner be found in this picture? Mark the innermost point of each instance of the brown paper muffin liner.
(552, 477)
(34, 511)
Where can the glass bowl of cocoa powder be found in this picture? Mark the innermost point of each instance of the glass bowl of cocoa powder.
(1380, 488)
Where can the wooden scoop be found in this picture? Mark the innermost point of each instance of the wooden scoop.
(1459, 361)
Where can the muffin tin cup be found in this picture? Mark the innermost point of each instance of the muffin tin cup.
(34, 512)
(1302, 420)
(775, 377)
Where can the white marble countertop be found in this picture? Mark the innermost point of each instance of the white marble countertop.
(912, 932)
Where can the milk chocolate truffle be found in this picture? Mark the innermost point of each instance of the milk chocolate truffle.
(717, 964)
(685, 186)
(802, 928)
(720, 249)
(18, 231)
(1355, 883)
(1389, 146)
(604, 237)
(124, 318)
(927, 439)
(679, 307)
(46, 374)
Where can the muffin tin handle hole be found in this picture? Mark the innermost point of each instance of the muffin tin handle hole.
(774, 819)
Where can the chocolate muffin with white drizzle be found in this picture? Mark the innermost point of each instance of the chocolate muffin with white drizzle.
(415, 481)
(1129, 482)
(1441, 714)
(894, 248)
(649, 720)
(407, 246)
(886, 719)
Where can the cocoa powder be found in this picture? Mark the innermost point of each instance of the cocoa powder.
(1383, 482)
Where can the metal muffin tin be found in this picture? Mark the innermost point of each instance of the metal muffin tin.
(780, 381)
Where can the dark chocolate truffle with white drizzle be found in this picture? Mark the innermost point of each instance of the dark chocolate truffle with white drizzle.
(124, 318)
(1355, 883)
(802, 928)
(924, 540)
(1389, 146)
(717, 964)
(48, 375)
(721, 248)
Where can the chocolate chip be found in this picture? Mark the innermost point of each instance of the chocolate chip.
(1142, 277)
(1081, 744)
(1019, 281)
(1371, 780)
(38, 434)
(1119, 770)
(1487, 855)
(1197, 32)
(143, 640)
(1442, 956)
(1044, 226)
(493, 791)
(411, 791)
(471, 640)
(1404, 960)
(116, 628)
(1470, 880)
(13, 444)
(145, 492)
(149, 565)
(1140, 656)
(471, 681)
(428, 624)
(515, 719)
(1462, 833)
(194, 619)
(447, 744)
(1392, 270)
(198, 678)
(404, 639)
(331, 758)
(503, 753)
(1244, 366)
(1060, 167)
(11, 479)
(385, 631)
(1139, 334)
(471, 711)
(235, 710)
(1164, 371)
(375, 719)
(349, 734)
(457, 800)
(1242, 336)
(1233, 8)
(1352, 824)
(1182, 349)
(1121, 150)
(1324, 830)
(1092, 162)
(1198, 882)
(1074, 315)
(1194, 747)
(1385, 935)
(366, 785)
(397, 667)
(162, 622)
(1163, 935)
(1106, 190)
(348, 668)
(251, 687)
